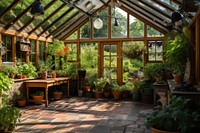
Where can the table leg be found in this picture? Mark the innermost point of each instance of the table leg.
(27, 94)
(68, 88)
(46, 97)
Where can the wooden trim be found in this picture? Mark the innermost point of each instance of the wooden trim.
(14, 42)
(56, 20)
(10, 8)
(62, 25)
(18, 17)
(31, 20)
(47, 18)
(36, 53)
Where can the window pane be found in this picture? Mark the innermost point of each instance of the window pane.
(136, 28)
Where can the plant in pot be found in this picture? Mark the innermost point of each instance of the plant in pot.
(180, 116)
(117, 91)
(9, 70)
(9, 116)
(38, 96)
(177, 53)
(21, 100)
(149, 72)
(147, 91)
(44, 67)
(58, 95)
(99, 86)
(135, 88)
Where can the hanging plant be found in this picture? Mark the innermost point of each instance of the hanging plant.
(133, 50)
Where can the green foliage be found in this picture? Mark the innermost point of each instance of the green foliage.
(27, 69)
(180, 115)
(9, 70)
(53, 48)
(5, 88)
(100, 83)
(45, 65)
(9, 116)
(177, 52)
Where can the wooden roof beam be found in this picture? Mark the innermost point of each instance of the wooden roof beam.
(56, 20)
(68, 26)
(73, 28)
(164, 5)
(51, 15)
(31, 20)
(18, 17)
(143, 18)
(10, 8)
(63, 24)
(146, 12)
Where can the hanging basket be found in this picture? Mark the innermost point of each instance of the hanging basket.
(133, 55)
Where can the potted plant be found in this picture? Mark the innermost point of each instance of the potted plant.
(44, 67)
(38, 97)
(147, 91)
(99, 86)
(135, 88)
(9, 116)
(181, 115)
(177, 53)
(21, 100)
(117, 91)
(9, 70)
(53, 74)
(58, 95)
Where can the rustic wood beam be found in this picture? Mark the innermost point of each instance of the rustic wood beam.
(71, 24)
(126, 7)
(74, 28)
(51, 15)
(31, 20)
(166, 6)
(18, 17)
(56, 20)
(10, 8)
(63, 24)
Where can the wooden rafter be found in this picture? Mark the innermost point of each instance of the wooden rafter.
(63, 24)
(74, 27)
(164, 5)
(18, 17)
(146, 13)
(155, 16)
(56, 20)
(71, 23)
(143, 18)
(45, 20)
(156, 8)
(31, 20)
(10, 8)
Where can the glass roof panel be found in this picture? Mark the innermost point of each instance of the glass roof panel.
(170, 3)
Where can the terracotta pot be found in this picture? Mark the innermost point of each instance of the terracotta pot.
(19, 76)
(106, 94)
(178, 78)
(44, 75)
(53, 75)
(87, 88)
(58, 95)
(98, 94)
(21, 103)
(153, 130)
(117, 95)
(38, 99)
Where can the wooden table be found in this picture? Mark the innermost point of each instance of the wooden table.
(45, 83)
(193, 95)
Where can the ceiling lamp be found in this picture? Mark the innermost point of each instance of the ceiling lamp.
(177, 18)
(98, 23)
(37, 9)
(116, 22)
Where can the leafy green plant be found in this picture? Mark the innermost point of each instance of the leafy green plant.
(177, 52)
(9, 70)
(9, 116)
(100, 83)
(180, 115)
(5, 88)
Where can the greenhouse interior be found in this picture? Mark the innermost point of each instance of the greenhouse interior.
(100, 66)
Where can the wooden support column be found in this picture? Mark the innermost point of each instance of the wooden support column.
(0, 55)
(36, 52)
(14, 42)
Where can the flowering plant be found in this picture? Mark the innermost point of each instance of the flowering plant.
(100, 83)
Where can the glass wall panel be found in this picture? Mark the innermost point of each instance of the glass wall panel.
(136, 27)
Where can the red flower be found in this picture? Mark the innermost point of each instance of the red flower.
(66, 53)
(66, 48)
(58, 52)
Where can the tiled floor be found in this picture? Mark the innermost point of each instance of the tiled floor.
(84, 115)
